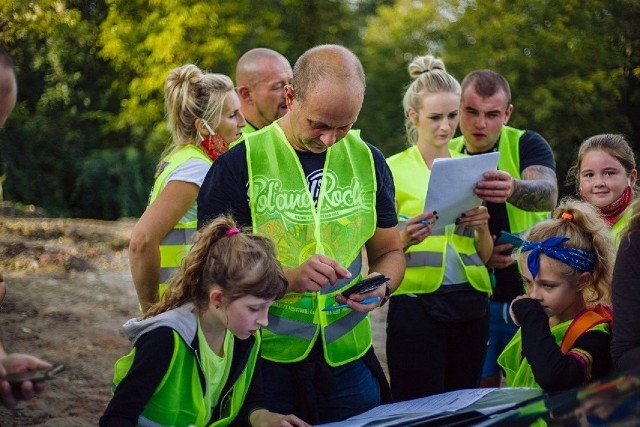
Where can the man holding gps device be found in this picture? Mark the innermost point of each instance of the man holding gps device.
(323, 195)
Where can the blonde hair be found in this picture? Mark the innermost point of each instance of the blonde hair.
(430, 76)
(586, 230)
(239, 262)
(191, 94)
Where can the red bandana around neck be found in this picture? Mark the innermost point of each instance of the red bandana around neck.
(613, 210)
(214, 145)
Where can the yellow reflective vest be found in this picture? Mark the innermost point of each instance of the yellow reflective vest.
(509, 161)
(619, 226)
(175, 245)
(179, 399)
(282, 207)
(426, 261)
(518, 372)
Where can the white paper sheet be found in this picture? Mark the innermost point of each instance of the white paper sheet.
(451, 185)
(390, 414)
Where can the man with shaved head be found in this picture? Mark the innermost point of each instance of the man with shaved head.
(323, 195)
(261, 75)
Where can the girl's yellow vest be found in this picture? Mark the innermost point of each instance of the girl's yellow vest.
(619, 226)
(517, 369)
(283, 208)
(178, 399)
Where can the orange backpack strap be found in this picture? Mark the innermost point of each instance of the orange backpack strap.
(584, 322)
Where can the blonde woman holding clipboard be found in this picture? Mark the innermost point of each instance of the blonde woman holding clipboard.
(439, 314)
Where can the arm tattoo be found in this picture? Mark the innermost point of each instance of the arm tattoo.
(537, 190)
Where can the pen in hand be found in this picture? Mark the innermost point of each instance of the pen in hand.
(407, 217)
(364, 301)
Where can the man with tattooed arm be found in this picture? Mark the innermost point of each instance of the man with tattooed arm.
(520, 193)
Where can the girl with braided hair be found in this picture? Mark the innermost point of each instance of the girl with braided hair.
(564, 318)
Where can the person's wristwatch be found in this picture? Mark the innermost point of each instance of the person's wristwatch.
(387, 294)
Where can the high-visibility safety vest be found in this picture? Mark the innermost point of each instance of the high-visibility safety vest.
(175, 245)
(426, 260)
(247, 128)
(282, 208)
(518, 370)
(179, 399)
(509, 161)
(619, 226)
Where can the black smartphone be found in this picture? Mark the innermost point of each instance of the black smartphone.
(506, 237)
(39, 375)
(365, 285)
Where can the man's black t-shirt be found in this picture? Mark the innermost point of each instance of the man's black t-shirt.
(225, 188)
(534, 150)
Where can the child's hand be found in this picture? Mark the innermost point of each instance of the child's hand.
(511, 313)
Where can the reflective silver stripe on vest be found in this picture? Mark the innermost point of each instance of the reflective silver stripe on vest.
(434, 259)
(146, 422)
(166, 273)
(464, 231)
(337, 329)
(355, 268)
(179, 236)
(420, 259)
(283, 326)
(473, 259)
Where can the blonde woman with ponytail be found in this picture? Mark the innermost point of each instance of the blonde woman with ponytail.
(439, 314)
(203, 113)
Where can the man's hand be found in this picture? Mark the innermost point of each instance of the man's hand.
(15, 363)
(495, 186)
(498, 259)
(316, 272)
(354, 299)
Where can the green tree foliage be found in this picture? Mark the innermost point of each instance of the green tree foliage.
(66, 101)
(144, 40)
(573, 66)
(90, 116)
(569, 65)
(111, 183)
(392, 38)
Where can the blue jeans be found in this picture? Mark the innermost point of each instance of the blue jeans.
(334, 393)
(501, 330)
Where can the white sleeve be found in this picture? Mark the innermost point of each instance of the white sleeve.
(193, 170)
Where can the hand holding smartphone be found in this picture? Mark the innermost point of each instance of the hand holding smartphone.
(365, 285)
(34, 376)
(362, 287)
(506, 237)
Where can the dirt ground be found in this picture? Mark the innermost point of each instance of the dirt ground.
(69, 292)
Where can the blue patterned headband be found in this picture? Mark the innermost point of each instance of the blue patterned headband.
(578, 259)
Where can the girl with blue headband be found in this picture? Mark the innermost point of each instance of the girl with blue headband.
(564, 318)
